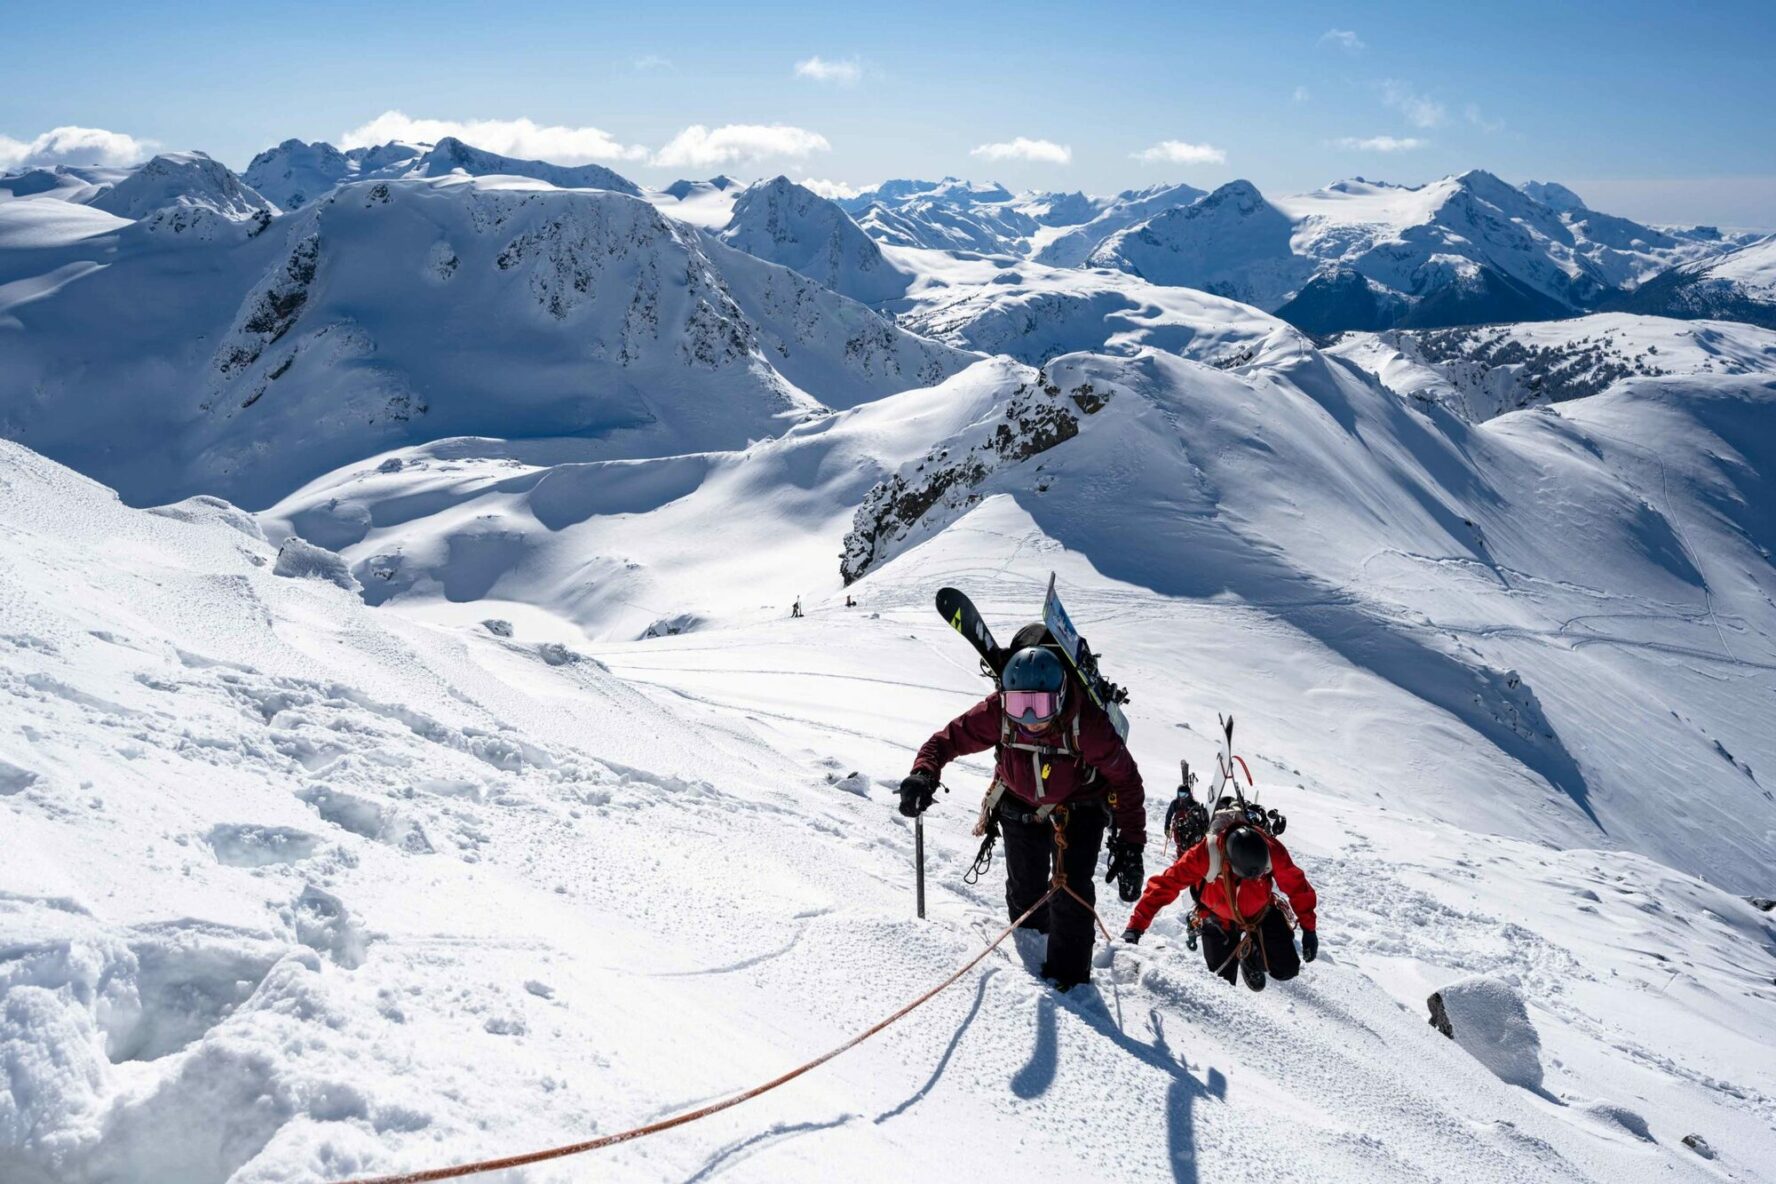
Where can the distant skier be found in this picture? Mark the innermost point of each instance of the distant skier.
(795, 610)
(1235, 868)
(1060, 764)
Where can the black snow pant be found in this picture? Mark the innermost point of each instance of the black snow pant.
(1278, 956)
(1029, 865)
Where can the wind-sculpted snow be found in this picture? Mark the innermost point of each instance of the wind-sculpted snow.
(398, 311)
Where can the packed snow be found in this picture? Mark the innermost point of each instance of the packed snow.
(473, 790)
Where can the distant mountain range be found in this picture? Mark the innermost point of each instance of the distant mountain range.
(1357, 255)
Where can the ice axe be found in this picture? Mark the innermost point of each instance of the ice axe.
(919, 859)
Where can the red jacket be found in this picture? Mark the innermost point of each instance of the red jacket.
(1192, 869)
(1084, 740)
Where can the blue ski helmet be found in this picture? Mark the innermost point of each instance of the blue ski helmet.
(1035, 686)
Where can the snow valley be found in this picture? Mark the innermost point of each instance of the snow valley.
(408, 754)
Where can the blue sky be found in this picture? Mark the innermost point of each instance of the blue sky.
(1646, 109)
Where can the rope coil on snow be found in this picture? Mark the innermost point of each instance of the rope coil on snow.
(665, 1124)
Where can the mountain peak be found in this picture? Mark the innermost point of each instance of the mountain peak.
(1555, 196)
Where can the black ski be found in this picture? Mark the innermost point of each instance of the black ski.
(1103, 692)
(955, 607)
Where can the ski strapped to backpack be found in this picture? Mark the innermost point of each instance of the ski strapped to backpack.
(1189, 821)
(1107, 695)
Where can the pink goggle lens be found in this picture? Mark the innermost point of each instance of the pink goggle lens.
(1032, 706)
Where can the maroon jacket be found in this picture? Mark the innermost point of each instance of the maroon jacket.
(1083, 740)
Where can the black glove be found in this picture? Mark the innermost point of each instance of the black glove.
(1310, 945)
(917, 792)
(1126, 869)
(1132, 936)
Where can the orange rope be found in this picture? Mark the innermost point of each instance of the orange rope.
(666, 1124)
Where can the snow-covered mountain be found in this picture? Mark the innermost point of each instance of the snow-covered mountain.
(791, 225)
(1487, 370)
(1075, 246)
(188, 180)
(295, 173)
(1368, 255)
(1738, 286)
(397, 311)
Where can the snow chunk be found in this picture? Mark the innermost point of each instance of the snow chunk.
(301, 559)
(1486, 1016)
(245, 845)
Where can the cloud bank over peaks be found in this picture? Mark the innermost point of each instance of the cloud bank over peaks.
(72, 145)
(521, 138)
(1180, 152)
(1022, 148)
(701, 147)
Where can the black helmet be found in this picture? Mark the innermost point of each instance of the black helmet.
(1035, 686)
(1247, 852)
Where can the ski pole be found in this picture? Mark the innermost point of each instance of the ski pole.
(919, 860)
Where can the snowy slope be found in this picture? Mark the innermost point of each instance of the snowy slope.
(1525, 581)
(313, 890)
(709, 204)
(1739, 286)
(793, 226)
(1032, 312)
(70, 183)
(1484, 371)
(399, 311)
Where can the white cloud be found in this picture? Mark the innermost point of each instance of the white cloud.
(508, 137)
(1179, 152)
(652, 61)
(1301, 94)
(74, 145)
(1343, 39)
(699, 147)
(1380, 143)
(1480, 121)
(830, 188)
(1419, 110)
(845, 71)
(1035, 151)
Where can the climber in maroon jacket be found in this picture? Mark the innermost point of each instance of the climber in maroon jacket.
(1062, 773)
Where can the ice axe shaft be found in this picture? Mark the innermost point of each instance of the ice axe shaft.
(919, 861)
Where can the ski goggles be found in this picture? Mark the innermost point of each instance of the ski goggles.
(1032, 707)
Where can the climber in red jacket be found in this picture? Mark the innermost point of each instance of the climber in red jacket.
(1236, 869)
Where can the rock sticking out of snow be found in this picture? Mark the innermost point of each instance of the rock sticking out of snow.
(1699, 1145)
(497, 626)
(1486, 1016)
(301, 559)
